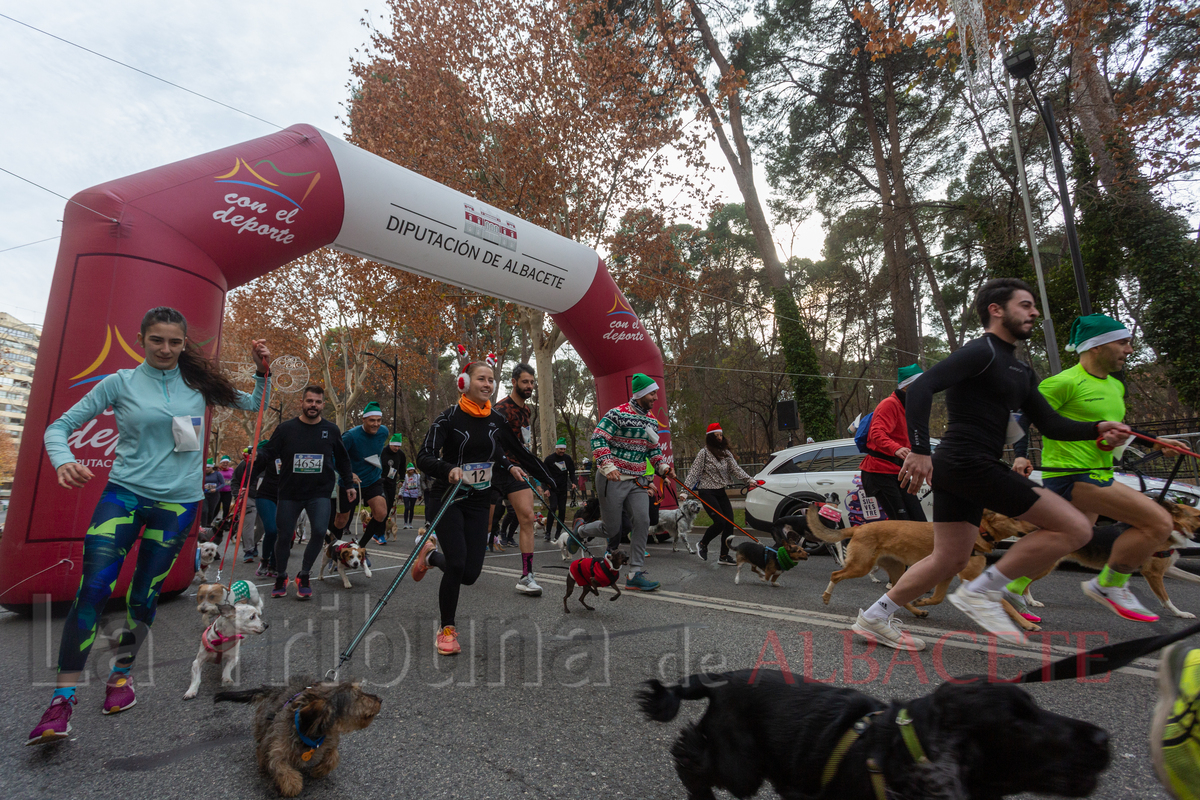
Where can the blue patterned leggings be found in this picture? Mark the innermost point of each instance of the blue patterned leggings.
(116, 523)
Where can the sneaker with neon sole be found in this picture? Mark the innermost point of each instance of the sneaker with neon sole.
(118, 693)
(985, 610)
(1018, 603)
(421, 565)
(56, 722)
(303, 590)
(1175, 728)
(281, 584)
(447, 641)
(887, 632)
(1118, 599)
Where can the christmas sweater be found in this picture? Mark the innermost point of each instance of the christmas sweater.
(624, 439)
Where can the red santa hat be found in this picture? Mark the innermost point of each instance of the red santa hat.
(714, 427)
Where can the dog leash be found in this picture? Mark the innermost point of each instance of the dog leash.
(554, 517)
(714, 511)
(448, 500)
(244, 489)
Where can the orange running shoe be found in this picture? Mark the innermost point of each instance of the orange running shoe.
(447, 641)
(421, 566)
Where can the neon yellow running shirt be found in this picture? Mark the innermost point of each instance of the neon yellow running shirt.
(1079, 395)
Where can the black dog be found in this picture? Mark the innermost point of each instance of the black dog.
(983, 741)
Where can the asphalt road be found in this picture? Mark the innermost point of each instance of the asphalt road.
(540, 703)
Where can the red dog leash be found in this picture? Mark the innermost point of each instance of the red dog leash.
(243, 494)
(714, 511)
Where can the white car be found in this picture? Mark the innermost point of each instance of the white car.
(795, 477)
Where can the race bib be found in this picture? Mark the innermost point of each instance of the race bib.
(527, 435)
(392, 474)
(870, 507)
(307, 463)
(562, 466)
(374, 461)
(188, 432)
(278, 466)
(478, 476)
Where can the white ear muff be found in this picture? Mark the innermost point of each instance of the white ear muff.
(464, 381)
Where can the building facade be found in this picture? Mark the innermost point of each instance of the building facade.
(18, 354)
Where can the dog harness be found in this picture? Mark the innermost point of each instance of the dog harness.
(593, 572)
(215, 645)
(907, 733)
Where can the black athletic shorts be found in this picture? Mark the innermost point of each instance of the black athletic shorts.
(963, 487)
(504, 484)
(365, 493)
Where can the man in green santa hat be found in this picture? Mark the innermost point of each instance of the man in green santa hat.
(562, 469)
(623, 441)
(364, 444)
(1083, 473)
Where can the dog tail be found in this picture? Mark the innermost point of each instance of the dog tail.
(729, 540)
(661, 703)
(243, 696)
(816, 527)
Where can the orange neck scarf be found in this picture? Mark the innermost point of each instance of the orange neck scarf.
(474, 409)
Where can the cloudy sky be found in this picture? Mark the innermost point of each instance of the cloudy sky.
(74, 119)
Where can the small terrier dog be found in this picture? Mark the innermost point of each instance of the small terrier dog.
(592, 574)
(298, 726)
(223, 638)
(767, 559)
(678, 523)
(346, 556)
(210, 596)
(206, 554)
(389, 528)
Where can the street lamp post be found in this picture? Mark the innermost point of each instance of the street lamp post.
(395, 381)
(1021, 65)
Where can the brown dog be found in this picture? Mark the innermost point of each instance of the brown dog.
(389, 528)
(345, 556)
(592, 574)
(298, 726)
(1095, 554)
(764, 561)
(898, 544)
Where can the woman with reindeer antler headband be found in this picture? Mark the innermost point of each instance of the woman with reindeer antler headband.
(466, 443)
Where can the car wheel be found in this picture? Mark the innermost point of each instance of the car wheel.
(797, 505)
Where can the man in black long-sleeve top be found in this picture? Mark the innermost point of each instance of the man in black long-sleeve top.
(562, 469)
(984, 384)
(308, 454)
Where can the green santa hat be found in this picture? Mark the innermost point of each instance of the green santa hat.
(1095, 330)
(906, 375)
(261, 445)
(410, 466)
(562, 442)
(209, 463)
(226, 458)
(397, 438)
(372, 410)
(643, 385)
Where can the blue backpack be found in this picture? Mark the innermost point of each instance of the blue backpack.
(860, 433)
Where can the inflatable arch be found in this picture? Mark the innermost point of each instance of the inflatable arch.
(184, 234)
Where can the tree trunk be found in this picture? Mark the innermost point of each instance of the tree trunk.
(545, 345)
(904, 312)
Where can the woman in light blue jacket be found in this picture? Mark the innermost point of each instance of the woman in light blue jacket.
(155, 485)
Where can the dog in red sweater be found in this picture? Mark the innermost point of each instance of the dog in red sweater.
(593, 574)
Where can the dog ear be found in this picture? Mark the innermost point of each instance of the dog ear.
(315, 717)
(227, 610)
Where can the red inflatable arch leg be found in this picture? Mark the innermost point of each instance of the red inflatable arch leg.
(184, 234)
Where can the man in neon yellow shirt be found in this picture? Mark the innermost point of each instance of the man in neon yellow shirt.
(1083, 473)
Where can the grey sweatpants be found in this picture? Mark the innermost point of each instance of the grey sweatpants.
(625, 495)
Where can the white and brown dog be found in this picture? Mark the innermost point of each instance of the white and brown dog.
(210, 596)
(347, 556)
(678, 523)
(221, 641)
(206, 554)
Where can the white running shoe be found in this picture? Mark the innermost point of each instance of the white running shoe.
(1118, 599)
(527, 585)
(985, 610)
(887, 632)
